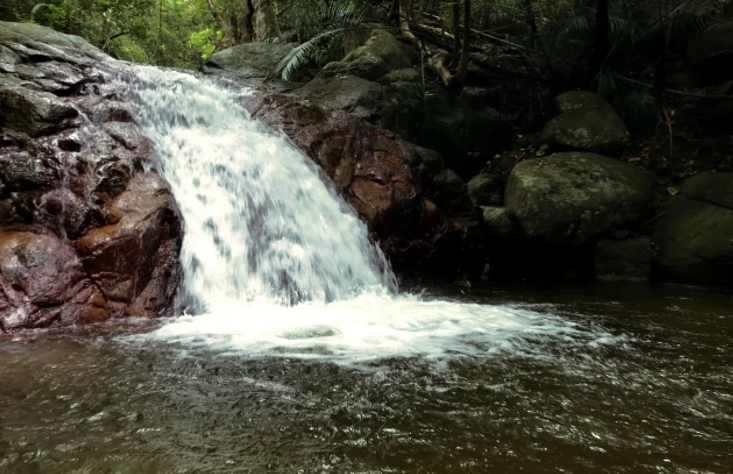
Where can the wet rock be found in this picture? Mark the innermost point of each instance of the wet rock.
(570, 198)
(31, 111)
(65, 179)
(43, 283)
(147, 226)
(628, 258)
(486, 189)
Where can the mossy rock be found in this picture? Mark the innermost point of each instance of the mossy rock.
(713, 188)
(571, 198)
(575, 100)
(695, 242)
(486, 189)
(380, 55)
(597, 130)
(498, 222)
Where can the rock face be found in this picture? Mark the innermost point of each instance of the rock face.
(694, 236)
(586, 123)
(710, 55)
(85, 233)
(392, 185)
(571, 198)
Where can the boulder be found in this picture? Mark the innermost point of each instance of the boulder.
(355, 95)
(710, 55)
(498, 222)
(486, 189)
(450, 193)
(571, 198)
(598, 130)
(380, 55)
(87, 234)
(247, 61)
(576, 100)
(43, 283)
(624, 257)
(694, 235)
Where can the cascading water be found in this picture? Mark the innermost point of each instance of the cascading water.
(260, 223)
(276, 260)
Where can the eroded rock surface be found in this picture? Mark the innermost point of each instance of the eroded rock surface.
(85, 233)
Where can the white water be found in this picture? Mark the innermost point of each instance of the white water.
(276, 261)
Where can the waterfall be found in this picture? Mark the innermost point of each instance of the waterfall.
(276, 261)
(259, 221)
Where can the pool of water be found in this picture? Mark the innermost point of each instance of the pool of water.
(630, 379)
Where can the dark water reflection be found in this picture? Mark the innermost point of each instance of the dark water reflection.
(660, 402)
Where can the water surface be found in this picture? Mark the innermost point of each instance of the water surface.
(627, 379)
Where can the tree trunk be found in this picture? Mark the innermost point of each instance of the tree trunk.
(531, 21)
(601, 43)
(226, 30)
(405, 15)
(466, 49)
(456, 33)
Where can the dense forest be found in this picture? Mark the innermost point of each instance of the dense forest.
(605, 38)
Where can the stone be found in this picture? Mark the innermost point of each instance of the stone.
(43, 283)
(380, 55)
(597, 130)
(358, 96)
(570, 198)
(576, 100)
(31, 111)
(85, 233)
(146, 224)
(712, 188)
(627, 259)
(486, 189)
(695, 242)
(498, 222)
(247, 61)
(451, 193)
(710, 55)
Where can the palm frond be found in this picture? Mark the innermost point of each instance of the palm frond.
(299, 55)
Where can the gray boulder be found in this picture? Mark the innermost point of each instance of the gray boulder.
(571, 198)
(248, 61)
(596, 129)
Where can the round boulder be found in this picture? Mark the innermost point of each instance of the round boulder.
(598, 130)
(572, 197)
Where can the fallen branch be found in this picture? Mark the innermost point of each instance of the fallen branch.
(437, 63)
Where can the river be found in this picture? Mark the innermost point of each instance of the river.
(653, 394)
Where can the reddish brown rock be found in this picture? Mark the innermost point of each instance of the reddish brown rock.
(392, 184)
(86, 233)
(43, 283)
(135, 260)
